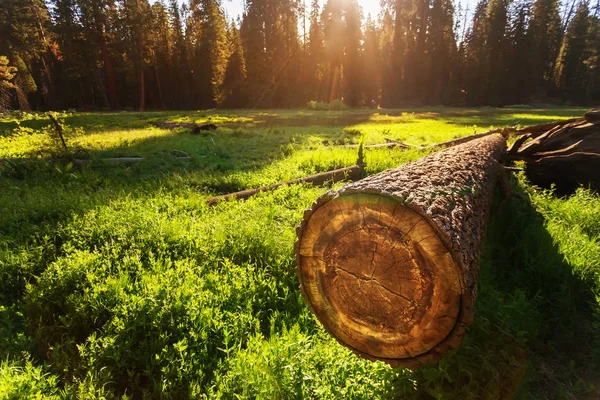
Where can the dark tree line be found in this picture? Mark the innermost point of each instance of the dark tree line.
(138, 54)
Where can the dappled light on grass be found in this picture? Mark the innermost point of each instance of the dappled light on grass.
(120, 280)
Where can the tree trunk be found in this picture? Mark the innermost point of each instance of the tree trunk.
(566, 156)
(389, 264)
(142, 91)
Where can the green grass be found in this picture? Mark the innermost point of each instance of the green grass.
(117, 280)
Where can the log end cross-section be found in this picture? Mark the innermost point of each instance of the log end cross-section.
(380, 264)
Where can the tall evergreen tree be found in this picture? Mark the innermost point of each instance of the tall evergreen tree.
(570, 73)
(441, 84)
(234, 93)
(497, 48)
(315, 54)
(475, 58)
(211, 56)
(518, 87)
(544, 37)
(371, 64)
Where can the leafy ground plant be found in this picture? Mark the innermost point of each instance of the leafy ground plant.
(117, 281)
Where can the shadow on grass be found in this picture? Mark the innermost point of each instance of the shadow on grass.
(122, 121)
(560, 329)
(535, 333)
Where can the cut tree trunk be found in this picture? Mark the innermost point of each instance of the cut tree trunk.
(389, 264)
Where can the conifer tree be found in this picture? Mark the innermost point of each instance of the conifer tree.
(475, 61)
(441, 84)
(570, 73)
(211, 58)
(315, 54)
(544, 36)
(372, 64)
(234, 93)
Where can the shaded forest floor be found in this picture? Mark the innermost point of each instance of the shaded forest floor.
(118, 279)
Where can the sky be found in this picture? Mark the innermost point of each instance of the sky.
(235, 8)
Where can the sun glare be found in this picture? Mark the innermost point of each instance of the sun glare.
(370, 7)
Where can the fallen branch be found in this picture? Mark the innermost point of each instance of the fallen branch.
(353, 173)
(82, 161)
(59, 131)
(195, 128)
(390, 144)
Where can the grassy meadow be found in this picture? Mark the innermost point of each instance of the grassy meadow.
(117, 281)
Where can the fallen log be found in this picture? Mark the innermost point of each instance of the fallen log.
(195, 128)
(389, 264)
(536, 130)
(390, 144)
(465, 139)
(179, 155)
(566, 156)
(352, 173)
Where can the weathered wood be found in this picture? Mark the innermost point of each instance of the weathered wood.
(467, 139)
(389, 264)
(195, 128)
(179, 155)
(536, 130)
(352, 173)
(566, 155)
(390, 144)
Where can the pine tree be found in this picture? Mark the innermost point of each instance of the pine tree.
(570, 73)
(135, 17)
(475, 71)
(518, 86)
(161, 54)
(497, 46)
(211, 55)
(372, 64)
(234, 91)
(259, 71)
(441, 85)
(181, 94)
(315, 55)
(593, 61)
(544, 36)
(415, 68)
(390, 77)
(352, 62)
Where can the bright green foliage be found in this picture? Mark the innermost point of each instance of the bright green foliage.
(7, 73)
(118, 281)
(26, 381)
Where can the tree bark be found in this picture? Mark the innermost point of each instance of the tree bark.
(350, 173)
(389, 264)
(566, 156)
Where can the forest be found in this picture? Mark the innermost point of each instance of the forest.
(140, 55)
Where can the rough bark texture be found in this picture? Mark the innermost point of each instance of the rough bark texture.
(566, 155)
(352, 173)
(389, 264)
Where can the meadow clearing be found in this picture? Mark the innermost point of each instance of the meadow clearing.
(118, 281)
